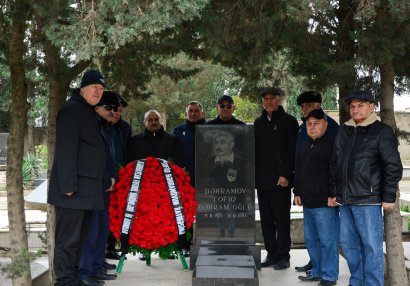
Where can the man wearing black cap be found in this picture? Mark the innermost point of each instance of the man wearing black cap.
(275, 138)
(321, 218)
(225, 107)
(365, 173)
(76, 181)
(308, 101)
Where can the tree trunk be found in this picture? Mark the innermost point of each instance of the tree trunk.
(31, 139)
(396, 273)
(15, 144)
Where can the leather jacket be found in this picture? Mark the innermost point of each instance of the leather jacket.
(366, 166)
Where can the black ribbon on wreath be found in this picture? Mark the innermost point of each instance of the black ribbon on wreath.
(176, 204)
(131, 205)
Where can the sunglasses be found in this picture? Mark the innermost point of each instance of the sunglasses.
(110, 107)
(227, 106)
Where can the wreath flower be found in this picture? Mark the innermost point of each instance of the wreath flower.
(154, 228)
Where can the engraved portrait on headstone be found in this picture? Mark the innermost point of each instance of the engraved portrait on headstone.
(225, 184)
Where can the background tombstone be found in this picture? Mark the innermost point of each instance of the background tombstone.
(225, 193)
(3, 148)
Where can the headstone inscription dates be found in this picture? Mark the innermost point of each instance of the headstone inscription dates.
(3, 148)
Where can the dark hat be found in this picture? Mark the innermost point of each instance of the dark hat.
(225, 97)
(109, 98)
(363, 95)
(271, 90)
(309, 96)
(92, 77)
(122, 101)
(317, 113)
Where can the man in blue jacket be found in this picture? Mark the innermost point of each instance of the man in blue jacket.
(365, 174)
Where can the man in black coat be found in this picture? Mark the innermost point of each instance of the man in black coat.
(275, 139)
(76, 181)
(154, 141)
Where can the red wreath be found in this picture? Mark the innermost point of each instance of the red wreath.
(154, 223)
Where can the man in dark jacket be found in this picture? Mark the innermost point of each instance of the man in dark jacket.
(185, 132)
(308, 101)
(275, 137)
(365, 173)
(225, 107)
(76, 181)
(321, 218)
(154, 141)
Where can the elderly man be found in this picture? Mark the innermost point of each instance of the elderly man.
(185, 132)
(154, 141)
(308, 101)
(76, 181)
(225, 107)
(365, 173)
(275, 138)
(321, 219)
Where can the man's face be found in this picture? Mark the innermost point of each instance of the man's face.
(116, 116)
(225, 110)
(223, 145)
(104, 112)
(271, 102)
(360, 110)
(194, 113)
(307, 107)
(152, 122)
(92, 93)
(315, 127)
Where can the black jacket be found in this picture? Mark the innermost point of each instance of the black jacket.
(274, 149)
(160, 144)
(313, 161)
(218, 120)
(80, 157)
(366, 166)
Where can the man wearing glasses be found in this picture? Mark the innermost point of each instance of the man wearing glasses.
(225, 107)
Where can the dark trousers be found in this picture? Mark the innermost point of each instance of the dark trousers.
(71, 231)
(111, 241)
(93, 250)
(274, 209)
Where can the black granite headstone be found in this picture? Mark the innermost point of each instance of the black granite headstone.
(225, 190)
(3, 148)
(224, 252)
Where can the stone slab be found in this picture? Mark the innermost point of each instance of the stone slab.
(3, 148)
(226, 260)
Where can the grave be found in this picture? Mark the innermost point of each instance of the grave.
(3, 148)
(224, 250)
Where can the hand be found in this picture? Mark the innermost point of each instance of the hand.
(112, 185)
(283, 182)
(387, 206)
(69, 194)
(298, 200)
(331, 202)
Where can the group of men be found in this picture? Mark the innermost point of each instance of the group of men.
(341, 177)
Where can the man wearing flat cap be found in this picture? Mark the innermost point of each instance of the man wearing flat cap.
(76, 181)
(308, 101)
(321, 218)
(365, 173)
(225, 107)
(275, 139)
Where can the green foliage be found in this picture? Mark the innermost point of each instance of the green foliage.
(405, 208)
(30, 170)
(18, 267)
(42, 155)
(246, 110)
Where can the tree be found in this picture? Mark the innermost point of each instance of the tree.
(15, 144)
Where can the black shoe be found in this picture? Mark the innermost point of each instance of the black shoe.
(185, 252)
(324, 282)
(142, 257)
(281, 264)
(268, 262)
(91, 282)
(105, 276)
(309, 278)
(305, 268)
(112, 254)
(109, 266)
